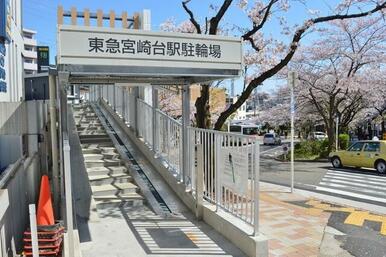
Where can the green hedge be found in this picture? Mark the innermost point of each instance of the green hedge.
(343, 141)
(311, 149)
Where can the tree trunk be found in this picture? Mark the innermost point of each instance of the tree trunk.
(331, 137)
(202, 108)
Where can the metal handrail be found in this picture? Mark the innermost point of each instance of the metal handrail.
(11, 170)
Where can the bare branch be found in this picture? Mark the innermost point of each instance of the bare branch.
(214, 21)
(256, 27)
(192, 19)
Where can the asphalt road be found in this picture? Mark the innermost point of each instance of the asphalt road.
(356, 184)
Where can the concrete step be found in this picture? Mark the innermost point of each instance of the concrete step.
(108, 149)
(102, 163)
(113, 162)
(91, 151)
(111, 156)
(91, 133)
(96, 145)
(119, 201)
(107, 170)
(114, 189)
(92, 139)
(92, 156)
(98, 180)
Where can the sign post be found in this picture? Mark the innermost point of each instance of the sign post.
(285, 151)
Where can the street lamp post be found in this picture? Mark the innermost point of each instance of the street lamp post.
(337, 118)
(337, 132)
(292, 82)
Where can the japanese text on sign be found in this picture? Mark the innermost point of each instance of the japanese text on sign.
(3, 84)
(146, 47)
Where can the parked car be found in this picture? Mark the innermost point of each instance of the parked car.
(367, 154)
(317, 136)
(271, 139)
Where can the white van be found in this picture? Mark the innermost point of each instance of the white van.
(250, 130)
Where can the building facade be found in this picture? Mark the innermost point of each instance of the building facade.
(241, 113)
(30, 52)
(12, 46)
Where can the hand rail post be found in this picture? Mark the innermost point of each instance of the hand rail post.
(256, 201)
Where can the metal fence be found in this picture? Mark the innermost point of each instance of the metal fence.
(145, 122)
(229, 163)
(169, 143)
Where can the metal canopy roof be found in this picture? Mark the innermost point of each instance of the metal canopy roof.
(98, 55)
(98, 74)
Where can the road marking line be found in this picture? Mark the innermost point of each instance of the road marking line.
(356, 218)
(328, 207)
(359, 175)
(352, 187)
(327, 176)
(383, 227)
(269, 150)
(356, 195)
(314, 211)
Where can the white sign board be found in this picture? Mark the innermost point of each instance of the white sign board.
(79, 45)
(233, 166)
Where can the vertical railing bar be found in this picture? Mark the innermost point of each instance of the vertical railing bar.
(212, 165)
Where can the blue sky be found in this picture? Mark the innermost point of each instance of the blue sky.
(40, 15)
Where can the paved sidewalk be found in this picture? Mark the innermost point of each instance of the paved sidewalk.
(292, 230)
(297, 225)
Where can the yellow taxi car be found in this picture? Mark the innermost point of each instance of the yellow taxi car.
(367, 154)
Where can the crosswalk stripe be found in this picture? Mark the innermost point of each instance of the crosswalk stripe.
(343, 192)
(354, 180)
(364, 176)
(353, 188)
(380, 189)
(364, 186)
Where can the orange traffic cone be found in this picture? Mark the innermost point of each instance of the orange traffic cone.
(45, 215)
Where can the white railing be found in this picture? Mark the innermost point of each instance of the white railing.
(226, 162)
(169, 148)
(130, 109)
(145, 121)
(229, 163)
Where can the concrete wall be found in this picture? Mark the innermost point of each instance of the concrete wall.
(18, 187)
(24, 147)
(18, 119)
(10, 150)
(13, 118)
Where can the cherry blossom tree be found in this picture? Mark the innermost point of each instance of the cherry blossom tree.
(334, 71)
(266, 56)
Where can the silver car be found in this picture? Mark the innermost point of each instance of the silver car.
(271, 139)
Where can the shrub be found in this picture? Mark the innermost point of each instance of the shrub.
(307, 149)
(324, 149)
(311, 149)
(344, 141)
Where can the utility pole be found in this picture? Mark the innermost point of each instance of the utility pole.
(292, 83)
(337, 132)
